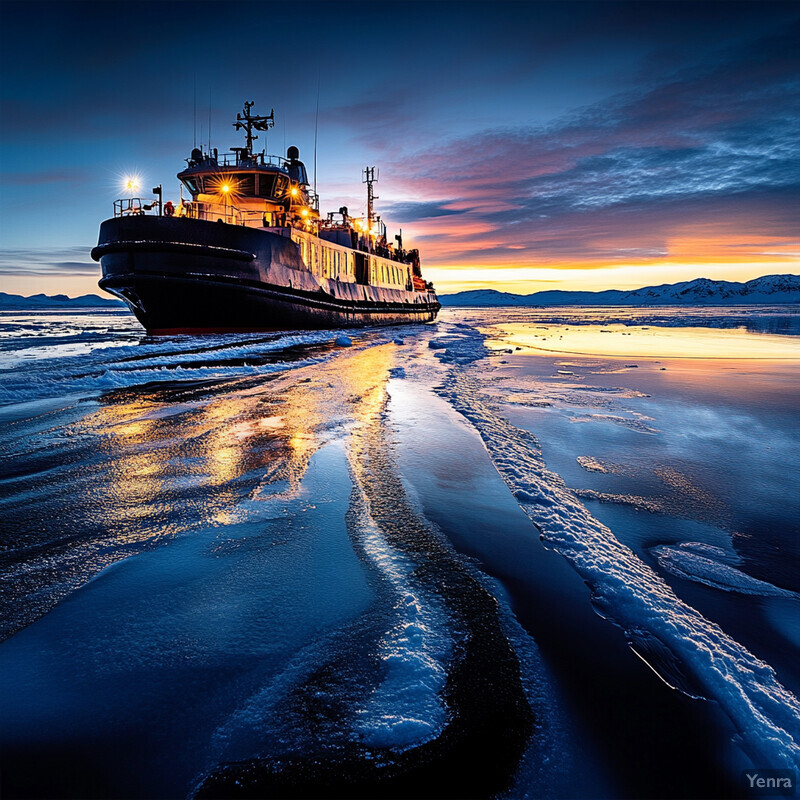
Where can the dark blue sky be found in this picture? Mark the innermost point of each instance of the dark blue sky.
(520, 145)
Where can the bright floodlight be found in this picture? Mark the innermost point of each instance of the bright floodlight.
(131, 183)
(225, 188)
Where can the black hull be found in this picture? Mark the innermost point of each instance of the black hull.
(168, 304)
(192, 276)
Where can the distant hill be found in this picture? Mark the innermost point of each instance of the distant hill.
(36, 302)
(770, 289)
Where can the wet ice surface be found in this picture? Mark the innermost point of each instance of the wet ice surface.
(195, 570)
(690, 652)
(155, 649)
(701, 440)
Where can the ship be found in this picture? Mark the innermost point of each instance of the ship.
(245, 249)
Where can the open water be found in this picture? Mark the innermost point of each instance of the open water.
(517, 553)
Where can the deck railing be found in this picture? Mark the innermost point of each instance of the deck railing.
(233, 215)
(133, 207)
(236, 160)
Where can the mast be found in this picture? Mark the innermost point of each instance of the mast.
(369, 179)
(250, 122)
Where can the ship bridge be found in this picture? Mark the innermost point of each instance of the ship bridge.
(248, 188)
(241, 178)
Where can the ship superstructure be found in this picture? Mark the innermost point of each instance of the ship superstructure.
(247, 250)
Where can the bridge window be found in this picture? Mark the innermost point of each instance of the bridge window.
(266, 185)
(245, 184)
(242, 184)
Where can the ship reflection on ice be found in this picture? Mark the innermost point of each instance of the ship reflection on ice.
(181, 459)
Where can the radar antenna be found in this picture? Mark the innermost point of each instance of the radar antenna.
(249, 122)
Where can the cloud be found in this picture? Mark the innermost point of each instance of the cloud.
(706, 155)
(29, 178)
(44, 262)
(408, 211)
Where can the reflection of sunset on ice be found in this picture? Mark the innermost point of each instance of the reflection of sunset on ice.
(652, 342)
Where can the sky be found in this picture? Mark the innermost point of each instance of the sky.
(520, 146)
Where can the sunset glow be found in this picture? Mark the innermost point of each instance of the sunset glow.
(641, 144)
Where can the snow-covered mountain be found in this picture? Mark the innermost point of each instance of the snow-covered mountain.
(9, 302)
(769, 289)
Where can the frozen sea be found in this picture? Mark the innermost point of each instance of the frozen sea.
(517, 553)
